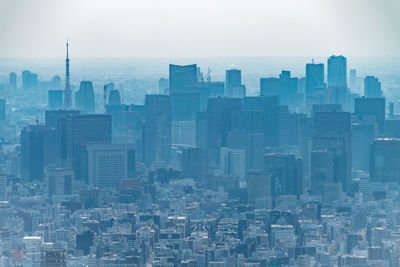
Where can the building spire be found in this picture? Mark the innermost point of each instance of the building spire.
(67, 90)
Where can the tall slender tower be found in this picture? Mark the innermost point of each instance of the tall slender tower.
(67, 90)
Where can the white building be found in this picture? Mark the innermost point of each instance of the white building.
(108, 164)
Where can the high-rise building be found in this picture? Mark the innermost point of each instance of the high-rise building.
(233, 162)
(88, 129)
(252, 143)
(84, 98)
(29, 80)
(12, 80)
(269, 105)
(55, 99)
(337, 71)
(322, 170)
(233, 79)
(2, 109)
(372, 87)
(32, 143)
(362, 135)
(114, 98)
(195, 163)
(67, 89)
(371, 107)
(3, 187)
(332, 132)
(384, 160)
(157, 129)
(56, 83)
(258, 185)
(184, 106)
(353, 79)
(60, 180)
(182, 77)
(109, 164)
(285, 86)
(314, 77)
(219, 117)
(285, 172)
(163, 86)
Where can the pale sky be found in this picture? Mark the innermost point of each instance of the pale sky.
(206, 28)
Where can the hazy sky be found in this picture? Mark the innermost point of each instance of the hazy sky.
(189, 28)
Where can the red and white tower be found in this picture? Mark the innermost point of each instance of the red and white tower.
(67, 90)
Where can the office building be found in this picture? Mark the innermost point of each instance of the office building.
(285, 172)
(337, 71)
(84, 98)
(157, 129)
(219, 116)
(322, 170)
(372, 87)
(12, 81)
(3, 187)
(251, 143)
(315, 86)
(60, 180)
(233, 78)
(163, 86)
(285, 86)
(195, 163)
(29, 80)
(182, 77)
(87, 129)
(269, 105)
(2, 109)
(258, 185)
(55, 99)
(114, 98)
(109, 164)
(32, 155)
(332, 132)
(384, 159)
(353, 79)
(233, 162)
(371, 107)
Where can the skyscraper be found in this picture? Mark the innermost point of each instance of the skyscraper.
(55, 99)
(67, 90)
(371, 107)
(32, 160)
(219, 117)
(337, 71)
(384, 160)
(157, 129)
(88, 129)
(84, 98)
(372, 87)
(12, 80)
(2, 109)
(332, 132)
(29, 80)
(314, 77)
(182, 77)
(353, 79)
(233, 79)
(284, 86)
